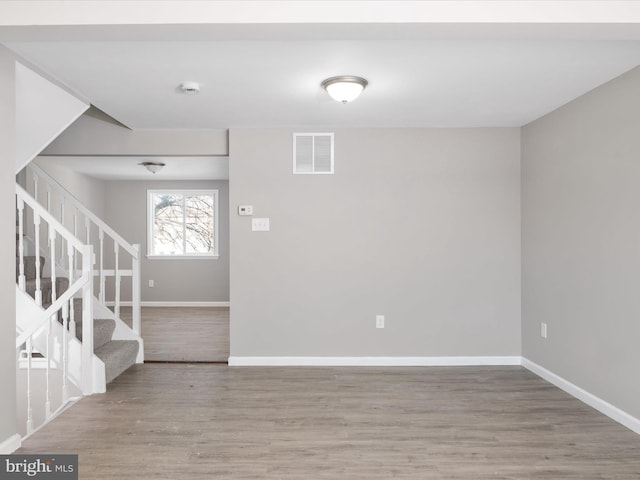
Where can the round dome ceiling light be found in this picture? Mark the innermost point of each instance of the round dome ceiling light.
(344, 88)
(189, 88)
(153, 167)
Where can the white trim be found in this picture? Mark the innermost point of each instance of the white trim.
(172, 304)
(611, 411)
(11, 444)
(372, 361)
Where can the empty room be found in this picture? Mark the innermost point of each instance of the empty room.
(320, 239)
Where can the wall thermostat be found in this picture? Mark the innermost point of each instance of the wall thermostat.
(245, 210)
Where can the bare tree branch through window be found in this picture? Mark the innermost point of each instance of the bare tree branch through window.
(183, 223)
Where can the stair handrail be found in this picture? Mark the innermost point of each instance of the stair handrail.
(119, 242)
(48, 217)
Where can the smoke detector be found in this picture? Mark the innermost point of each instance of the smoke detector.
(189, 88)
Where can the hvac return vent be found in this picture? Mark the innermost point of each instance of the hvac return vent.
(312, 153)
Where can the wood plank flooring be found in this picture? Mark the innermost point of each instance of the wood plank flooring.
(178, 334)
(202, 421)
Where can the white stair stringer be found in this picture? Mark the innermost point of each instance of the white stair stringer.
(29, 315)
(122, 331)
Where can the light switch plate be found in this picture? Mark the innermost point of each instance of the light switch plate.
(260, 224)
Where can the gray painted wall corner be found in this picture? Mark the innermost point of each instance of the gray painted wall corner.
(580, 237)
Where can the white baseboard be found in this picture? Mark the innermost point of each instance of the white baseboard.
(599, 404)
(173, 304)
(11, 444)
(371, 361)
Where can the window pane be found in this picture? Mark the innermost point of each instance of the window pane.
(168, 220)
(199, 223)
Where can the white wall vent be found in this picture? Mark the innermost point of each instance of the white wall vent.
(312, 153)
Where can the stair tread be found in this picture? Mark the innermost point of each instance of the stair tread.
(117, 355)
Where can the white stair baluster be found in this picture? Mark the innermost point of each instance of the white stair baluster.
(47, 405)
(36, 222)
(21, 276)
(52, 253)
(62, 249)
(29, 401)
(135, 291)
(53, 257)
(72, 313)
(87, 325)
(102, 277)
(65, 352)
(35, 195)
(87, 234)
(117, 280)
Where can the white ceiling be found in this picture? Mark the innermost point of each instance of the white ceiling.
(260, 64)
(412, 83)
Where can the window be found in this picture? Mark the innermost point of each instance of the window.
(182, 223)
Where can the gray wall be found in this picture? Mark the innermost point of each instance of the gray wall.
(581, 238)
(175, 280)
(421, 225)
(7, 253)
(90, 191)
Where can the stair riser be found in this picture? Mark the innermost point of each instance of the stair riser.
(118, 355)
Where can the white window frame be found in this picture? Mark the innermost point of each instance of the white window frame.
(182, 256)
(313, 154)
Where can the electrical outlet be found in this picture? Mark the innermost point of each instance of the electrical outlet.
(151, 284)
(543, 330)
(379, 321)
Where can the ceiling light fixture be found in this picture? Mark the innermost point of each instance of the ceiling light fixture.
(189, 88)
(344, 88)
(153, 167)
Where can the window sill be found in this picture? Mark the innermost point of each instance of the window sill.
(183, 257)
